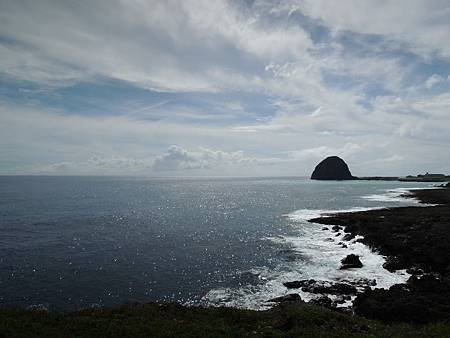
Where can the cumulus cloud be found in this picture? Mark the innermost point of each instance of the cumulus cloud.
(177, 158)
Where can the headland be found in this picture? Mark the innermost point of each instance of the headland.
(413, 238)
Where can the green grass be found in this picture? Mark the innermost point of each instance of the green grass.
(171, 320)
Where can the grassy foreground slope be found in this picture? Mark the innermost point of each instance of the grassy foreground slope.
(171, 320)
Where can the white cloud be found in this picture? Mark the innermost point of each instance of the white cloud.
(97, 166)
(345, 96)
(176, 160)
(167, 45)
(421, 25)
(175, 46)
(433, 80)
(321, 152)
(384, 160)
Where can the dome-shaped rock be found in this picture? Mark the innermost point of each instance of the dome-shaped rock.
(332, 168)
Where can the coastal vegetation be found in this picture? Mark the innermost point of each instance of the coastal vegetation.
(170, 320)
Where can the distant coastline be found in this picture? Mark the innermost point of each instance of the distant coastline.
(431, 178)
(334, 168)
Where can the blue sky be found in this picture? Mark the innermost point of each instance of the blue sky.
(245, 88)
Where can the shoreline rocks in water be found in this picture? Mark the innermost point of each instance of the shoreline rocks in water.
(332, 168)
(412, 238)
(291, 297)
(420, 300)
(330, 295)
(313, 286)
(416, 236)
(351, 261)
(394, 263)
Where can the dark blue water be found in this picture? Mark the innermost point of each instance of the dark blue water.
(75, 242)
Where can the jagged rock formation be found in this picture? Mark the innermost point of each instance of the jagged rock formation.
(332, 168)
(351, 261)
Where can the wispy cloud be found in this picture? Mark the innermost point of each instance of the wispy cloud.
(321, 152)
(290, 81)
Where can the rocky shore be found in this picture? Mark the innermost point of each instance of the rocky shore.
(413, 238)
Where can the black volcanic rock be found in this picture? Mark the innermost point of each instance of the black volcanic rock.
(332, 168)
(419, 301)
(394, 263)
(417, 238)
(291, 297)
(351, 261)
(323, 301)
(322, 287)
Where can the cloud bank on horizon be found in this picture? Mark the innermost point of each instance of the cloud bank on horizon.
(235, 87)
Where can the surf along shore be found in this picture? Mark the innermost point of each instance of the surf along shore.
(412, 238)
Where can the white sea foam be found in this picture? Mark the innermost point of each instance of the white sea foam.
(402, 195)
(322, 261)
(392, 195)
(307, 214)
(321, 255)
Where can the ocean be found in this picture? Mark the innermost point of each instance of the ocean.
(68, 243)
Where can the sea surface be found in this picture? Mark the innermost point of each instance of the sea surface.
(75, 242)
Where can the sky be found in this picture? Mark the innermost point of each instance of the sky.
(224, 88)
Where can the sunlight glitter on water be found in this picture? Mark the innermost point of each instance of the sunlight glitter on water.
(320, 251)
